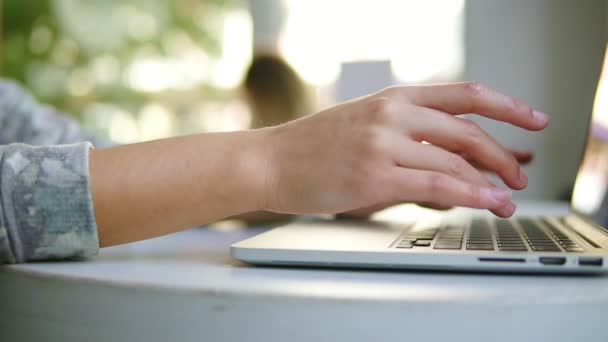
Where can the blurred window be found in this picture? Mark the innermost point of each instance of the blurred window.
(423, 39)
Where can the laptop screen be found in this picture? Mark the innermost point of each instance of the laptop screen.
(590, 196)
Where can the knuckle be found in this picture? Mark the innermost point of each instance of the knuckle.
(457, 166)
(391, 90)
(474, 196)
(373, 142)
(473, 134)
(517, 106)
(436, 184)
(473, 89)
(507, 157)
(513, 104)
(381, 110)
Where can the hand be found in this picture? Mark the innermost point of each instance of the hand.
(522, 157)
(370, 151)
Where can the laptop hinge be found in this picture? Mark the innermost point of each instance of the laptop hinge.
(594, 234)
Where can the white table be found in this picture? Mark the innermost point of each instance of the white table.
(186, 287)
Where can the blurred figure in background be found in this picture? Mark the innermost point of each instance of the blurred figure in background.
(274, 92)
(275, 95)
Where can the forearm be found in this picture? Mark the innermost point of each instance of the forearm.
(154, 188)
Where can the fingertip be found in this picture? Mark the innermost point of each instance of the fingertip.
(519, 186)
(541, 120)
(540, 117)
(494, 196)
(505, 211)
(523, 179)
(517, 180)
(498, 213)
(515, 184)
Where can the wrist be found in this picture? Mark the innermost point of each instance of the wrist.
(253, 167)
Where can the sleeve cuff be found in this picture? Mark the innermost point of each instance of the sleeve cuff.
(46, 207)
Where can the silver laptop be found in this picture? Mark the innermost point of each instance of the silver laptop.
(575, 243)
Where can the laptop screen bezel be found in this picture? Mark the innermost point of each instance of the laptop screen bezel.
(574, 210)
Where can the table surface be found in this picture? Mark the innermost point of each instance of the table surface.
(186, 286)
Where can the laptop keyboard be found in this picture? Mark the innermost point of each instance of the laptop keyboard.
(518, 235)
(480, 236)
(507, 237)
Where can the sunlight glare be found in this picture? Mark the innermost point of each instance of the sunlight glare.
(422, 39)
(237, 44)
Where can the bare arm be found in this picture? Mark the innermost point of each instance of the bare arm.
(154, 188)
(359, 154)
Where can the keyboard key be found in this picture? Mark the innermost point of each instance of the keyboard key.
(421, 235)
(480, 247)
(511, 245)
(447, 245)
(479, 222)
(441, 238)
(405, 245)
(513, 248)
(542, 242)
(480, 241)
(452, 237)
(422, 243)
(527, 223)
(553, 248)
(510, 240)
(504, 225)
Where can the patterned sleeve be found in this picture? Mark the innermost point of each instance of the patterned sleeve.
(46, 209)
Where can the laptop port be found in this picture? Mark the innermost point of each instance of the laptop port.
(552, 260)
(502, 259)
(590, 261)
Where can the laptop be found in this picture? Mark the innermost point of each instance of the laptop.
(574, 243)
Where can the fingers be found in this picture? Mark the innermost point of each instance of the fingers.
(458, 134)
(472, 97)
(522, 157)
(432, 158)
(444, 190)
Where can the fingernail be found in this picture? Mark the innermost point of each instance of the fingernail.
(523, 179)
(540, 116)
(497, 196)
(507, 210)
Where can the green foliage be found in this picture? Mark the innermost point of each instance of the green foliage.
(47, 44)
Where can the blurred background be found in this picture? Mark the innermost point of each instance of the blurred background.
(145, 69)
